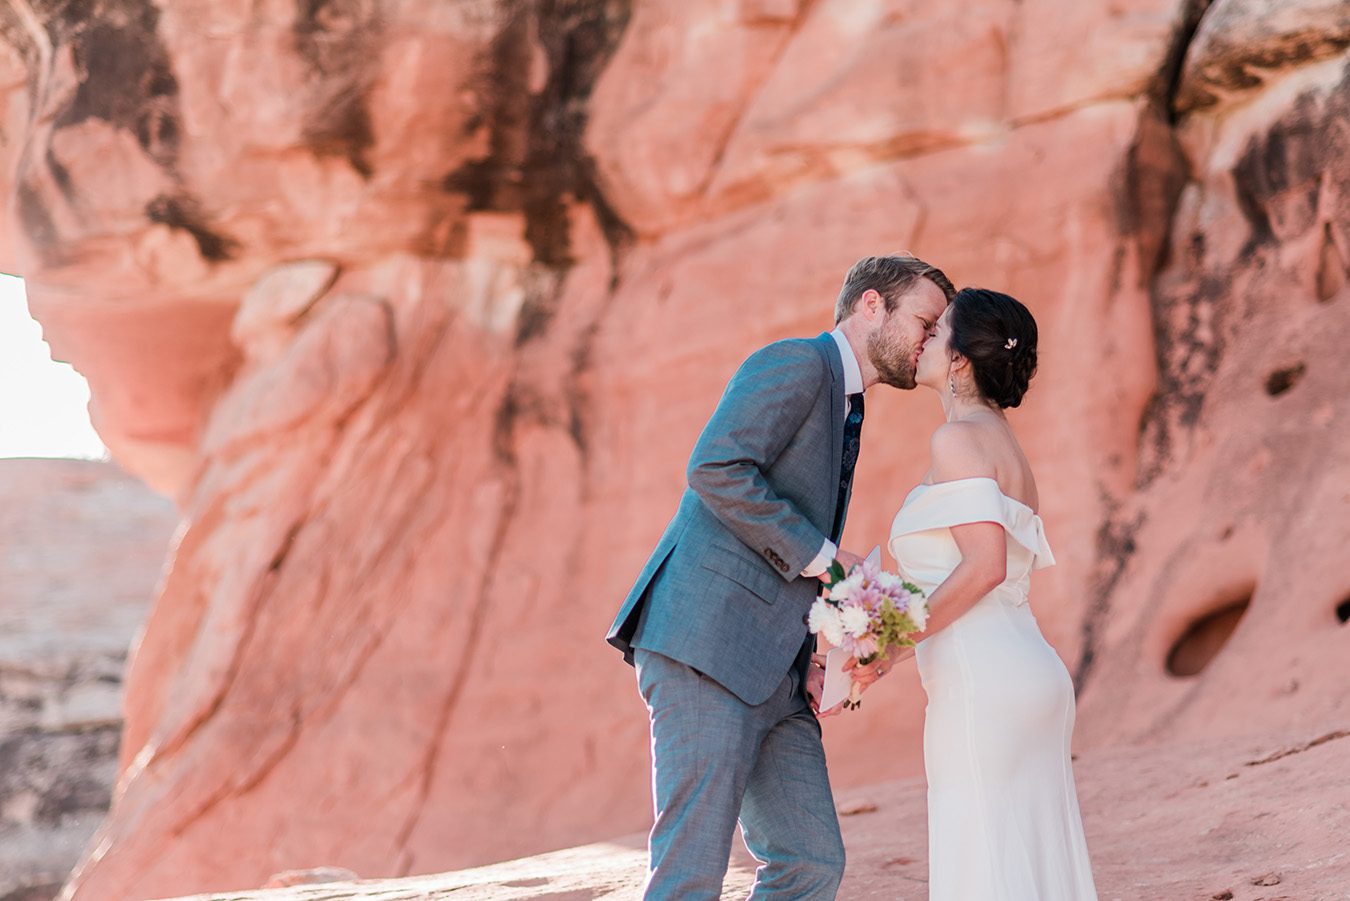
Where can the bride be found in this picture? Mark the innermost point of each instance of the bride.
(1003, 820)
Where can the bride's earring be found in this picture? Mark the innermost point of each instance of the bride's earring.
(951, 382)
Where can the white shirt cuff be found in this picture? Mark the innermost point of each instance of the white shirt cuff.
(822, 561)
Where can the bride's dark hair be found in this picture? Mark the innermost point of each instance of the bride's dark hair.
(997, 334)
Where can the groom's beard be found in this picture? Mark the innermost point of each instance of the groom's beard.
(893, 359)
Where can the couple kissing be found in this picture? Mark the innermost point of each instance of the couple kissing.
(716, 624)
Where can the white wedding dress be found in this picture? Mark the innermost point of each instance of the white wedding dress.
(1003, 820)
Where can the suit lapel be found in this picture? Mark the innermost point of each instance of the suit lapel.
(837, 412)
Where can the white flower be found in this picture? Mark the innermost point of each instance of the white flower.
(889, 582)
(824, 620)
(845, 589)
(855, 621)
(918, 612)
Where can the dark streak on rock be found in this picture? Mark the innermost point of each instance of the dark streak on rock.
(543, 296)
(1237, 68)
(37, 221)
(484, 182)
(504, 428)
(536, 162)
(496, 181)
(1167, 82)
(1292, 179)
(578, 37)
(1118, 257)
(536, 312)
(537, 166)
(126, 79)
(61, 176)
(183, 212)
(1116, 545)
(1278, 177)
(125, 74)
(521, 406)
(617, 232)
(1154, 173)
(338, 40)
(1299, 749)
(279, 558)
(578, 397)
(1189, 333)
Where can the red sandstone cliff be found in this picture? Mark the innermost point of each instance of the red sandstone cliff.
(417, 309)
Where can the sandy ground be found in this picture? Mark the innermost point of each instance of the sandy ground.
(1258, 819)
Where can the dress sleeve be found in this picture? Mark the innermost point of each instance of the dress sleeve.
(946, 504)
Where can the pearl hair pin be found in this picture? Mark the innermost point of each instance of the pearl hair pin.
(1012, 342)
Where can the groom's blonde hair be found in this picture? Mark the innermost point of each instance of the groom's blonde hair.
(890, 276)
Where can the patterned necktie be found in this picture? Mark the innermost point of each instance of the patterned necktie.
(852, 441)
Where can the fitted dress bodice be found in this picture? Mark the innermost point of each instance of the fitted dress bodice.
(922, 543)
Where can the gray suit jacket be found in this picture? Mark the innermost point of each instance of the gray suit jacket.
(722, 591)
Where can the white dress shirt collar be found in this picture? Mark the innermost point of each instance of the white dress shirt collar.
(853, 383)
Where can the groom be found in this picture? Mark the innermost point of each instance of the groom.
(716, 623)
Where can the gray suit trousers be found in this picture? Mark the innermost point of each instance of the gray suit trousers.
(718, 759)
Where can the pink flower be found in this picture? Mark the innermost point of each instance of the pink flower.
(860, 647)
(870, 597)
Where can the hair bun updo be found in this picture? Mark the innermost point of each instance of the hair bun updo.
(997, 334)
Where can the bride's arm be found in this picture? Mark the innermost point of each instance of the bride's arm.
(983, 547)
(983, 567)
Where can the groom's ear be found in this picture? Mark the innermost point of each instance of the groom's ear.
(871, 304)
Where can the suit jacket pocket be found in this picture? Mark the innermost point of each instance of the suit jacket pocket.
(751, 574)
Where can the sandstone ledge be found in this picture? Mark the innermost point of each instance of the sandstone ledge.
(1258, 819)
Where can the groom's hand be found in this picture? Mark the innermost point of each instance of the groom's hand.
(846, 559)
(815, 688)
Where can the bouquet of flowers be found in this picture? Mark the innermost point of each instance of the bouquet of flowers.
(865, 613)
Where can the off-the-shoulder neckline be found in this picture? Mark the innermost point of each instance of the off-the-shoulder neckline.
(997, 487)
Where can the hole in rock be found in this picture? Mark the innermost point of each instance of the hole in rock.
(1281, 380)
(1204, 639)
(1343, 611)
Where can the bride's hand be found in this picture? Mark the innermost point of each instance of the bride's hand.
(866, 675)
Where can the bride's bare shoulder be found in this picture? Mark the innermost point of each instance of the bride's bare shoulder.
(958, 452)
